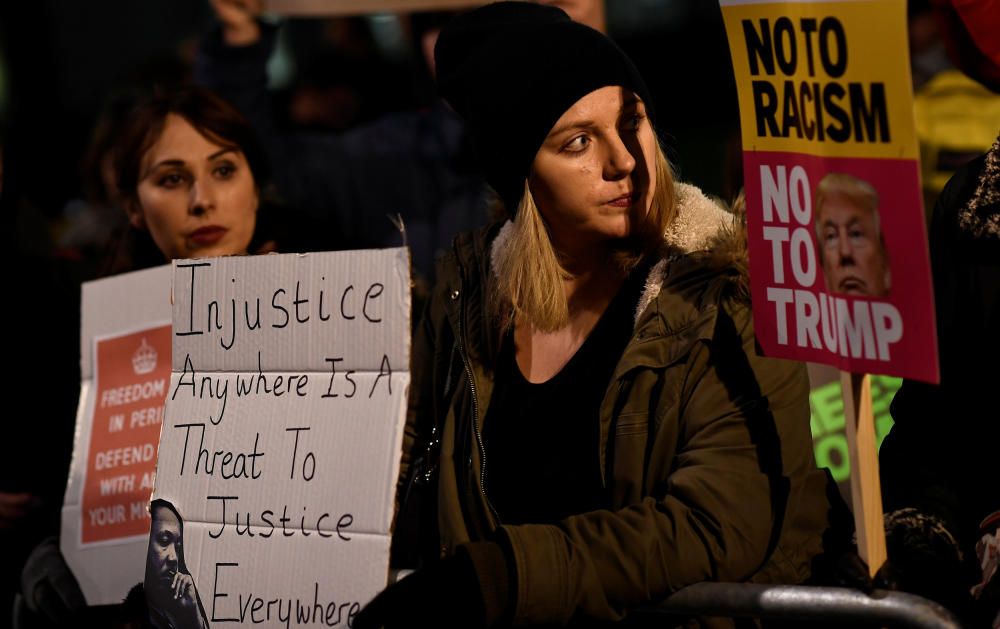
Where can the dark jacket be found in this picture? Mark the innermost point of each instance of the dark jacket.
(939, 461)
(705, 446)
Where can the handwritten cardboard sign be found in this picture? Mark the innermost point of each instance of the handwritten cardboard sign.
(839, 272)
(125, 366)
(280, 445)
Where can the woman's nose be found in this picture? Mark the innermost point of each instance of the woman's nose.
(202, 197)
(620, 161)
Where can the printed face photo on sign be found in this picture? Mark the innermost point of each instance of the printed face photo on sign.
(170, 590)
(851, 247)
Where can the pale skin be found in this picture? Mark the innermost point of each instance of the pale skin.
(196, 196)
(592, 179)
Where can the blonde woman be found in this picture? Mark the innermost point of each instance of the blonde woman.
(587, 407)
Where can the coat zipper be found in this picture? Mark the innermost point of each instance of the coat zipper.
(475, 416)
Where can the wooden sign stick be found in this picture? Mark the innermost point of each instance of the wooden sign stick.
(866, 492)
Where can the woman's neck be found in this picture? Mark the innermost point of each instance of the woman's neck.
(590, 289)
(593, 283)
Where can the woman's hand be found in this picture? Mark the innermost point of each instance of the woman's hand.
(444, 595)
(239, 20)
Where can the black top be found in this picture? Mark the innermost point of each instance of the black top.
(542, 440)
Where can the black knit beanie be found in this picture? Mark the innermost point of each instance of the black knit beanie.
(511, 69)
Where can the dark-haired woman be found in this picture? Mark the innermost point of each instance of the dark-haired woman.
(190, 174)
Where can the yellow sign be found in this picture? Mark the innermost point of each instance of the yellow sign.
(811, 78)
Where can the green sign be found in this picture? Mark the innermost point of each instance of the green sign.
(829, 439)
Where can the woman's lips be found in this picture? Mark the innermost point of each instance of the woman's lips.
(206, 236)
(622, 201)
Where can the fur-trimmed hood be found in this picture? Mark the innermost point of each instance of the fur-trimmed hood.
(980, 217)
(702, 229)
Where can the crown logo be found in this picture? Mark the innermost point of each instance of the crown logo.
(144, 359)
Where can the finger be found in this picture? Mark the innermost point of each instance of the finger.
(176, 585)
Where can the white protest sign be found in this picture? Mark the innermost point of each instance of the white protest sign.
(281, 441)
(125, 369)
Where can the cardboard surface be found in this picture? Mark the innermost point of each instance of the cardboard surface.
(281, 438)
(104, 535)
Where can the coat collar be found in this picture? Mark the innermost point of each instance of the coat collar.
(701, 230)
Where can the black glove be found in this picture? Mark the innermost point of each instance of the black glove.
(851, 571)
(443, 595)
(51, 592)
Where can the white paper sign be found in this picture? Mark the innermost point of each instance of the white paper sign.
(125, 367)
(281, 441)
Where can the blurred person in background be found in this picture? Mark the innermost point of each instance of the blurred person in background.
(956, 116)
(939, 461)
(417, 165)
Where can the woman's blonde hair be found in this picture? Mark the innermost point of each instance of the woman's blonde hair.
(530, 276)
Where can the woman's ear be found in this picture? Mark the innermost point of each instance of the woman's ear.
(134, 213)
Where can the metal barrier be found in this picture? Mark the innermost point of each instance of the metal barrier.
(805, 603)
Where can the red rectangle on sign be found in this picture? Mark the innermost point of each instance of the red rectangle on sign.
(131, 379)
(839, 267)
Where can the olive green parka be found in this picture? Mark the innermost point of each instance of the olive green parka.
(705, 447)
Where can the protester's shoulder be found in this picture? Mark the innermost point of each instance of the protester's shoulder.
(961, 186)
(703, 260)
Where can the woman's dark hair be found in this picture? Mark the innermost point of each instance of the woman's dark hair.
(211, 116)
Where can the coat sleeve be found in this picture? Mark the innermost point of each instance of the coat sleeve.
(419, 401)
(717, 514)
(414, 521)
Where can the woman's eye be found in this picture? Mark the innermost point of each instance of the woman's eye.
(577, 144)
(634, 121)
(171, 180)
(225, 170)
